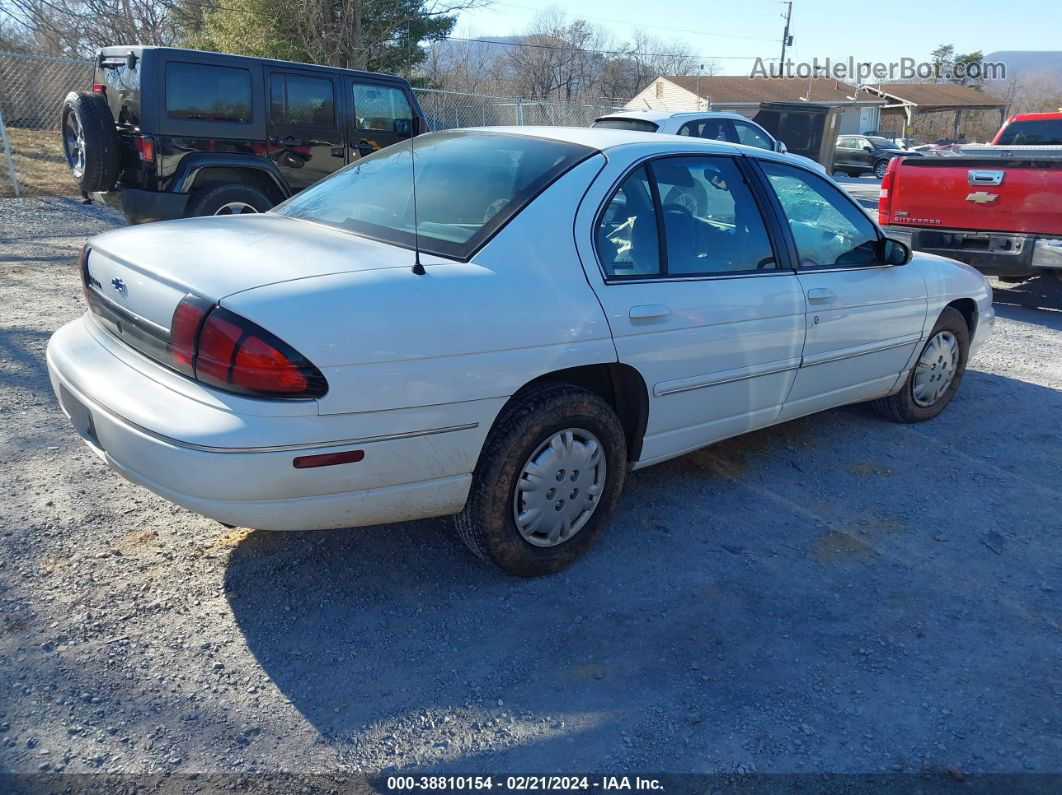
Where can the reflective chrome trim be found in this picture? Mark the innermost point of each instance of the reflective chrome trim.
(723, 377)
(276, 448)
(861, 350)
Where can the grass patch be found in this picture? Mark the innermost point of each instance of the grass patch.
(39, 164)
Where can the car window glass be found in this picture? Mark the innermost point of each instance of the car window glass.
(382, 108)
(301, 100)
(752, 136)
(627, 240)
(208, 93)
(828, 229)
(711, 222)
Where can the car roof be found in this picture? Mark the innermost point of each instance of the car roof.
(666, 115)
(604, 138)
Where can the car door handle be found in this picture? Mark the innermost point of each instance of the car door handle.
(820, 294)
(648, 311)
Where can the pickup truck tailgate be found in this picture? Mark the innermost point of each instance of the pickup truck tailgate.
(978, 193)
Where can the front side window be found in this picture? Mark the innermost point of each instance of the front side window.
(468, 185)
(712, 225)
(302, 101)
(828, 229)
(208, 93)
(752, 136)
(382, 109)
(627, 234)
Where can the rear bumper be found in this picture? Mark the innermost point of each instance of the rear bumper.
(995, 253)
(212, 470)
(141, 206)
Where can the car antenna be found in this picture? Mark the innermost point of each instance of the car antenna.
(418, 268)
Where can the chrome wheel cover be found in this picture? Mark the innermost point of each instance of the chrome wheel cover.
(559, 487)
(936, 369)
(74, 144)
(235, 208)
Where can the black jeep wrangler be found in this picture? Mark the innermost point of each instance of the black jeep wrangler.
(168, 133)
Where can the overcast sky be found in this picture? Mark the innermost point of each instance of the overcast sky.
(736, 31)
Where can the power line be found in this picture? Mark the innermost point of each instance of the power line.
(625, 53)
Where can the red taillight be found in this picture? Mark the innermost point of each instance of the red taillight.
(145, 147)
(187, 319)
(220, 348)
(328, 459)
(99, 88)
(885, 194)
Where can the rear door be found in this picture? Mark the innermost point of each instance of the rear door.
(695, 295)
(378, 115)
(863, 317)
(305, 135)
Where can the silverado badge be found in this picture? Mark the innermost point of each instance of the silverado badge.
(982, 197)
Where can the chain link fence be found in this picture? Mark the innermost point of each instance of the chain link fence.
(32, 89)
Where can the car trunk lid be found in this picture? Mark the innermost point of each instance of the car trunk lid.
(134, 278)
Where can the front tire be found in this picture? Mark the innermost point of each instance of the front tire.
(937, 373)
(547, 481)
(879, 168)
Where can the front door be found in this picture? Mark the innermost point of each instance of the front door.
(305, 137)
(696, 298)
(379, 115)
(864, 318)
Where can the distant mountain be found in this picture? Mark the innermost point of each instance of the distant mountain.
(1020, 61)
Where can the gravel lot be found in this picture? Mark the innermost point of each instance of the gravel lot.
(835, 594)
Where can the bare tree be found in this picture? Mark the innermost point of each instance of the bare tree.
(79, 27)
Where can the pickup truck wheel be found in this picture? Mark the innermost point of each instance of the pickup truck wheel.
(90, 141)
(231, 199)
(879, 168)
(936, 375)
(547, 481)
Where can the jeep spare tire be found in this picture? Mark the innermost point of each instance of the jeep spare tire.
(90, 141)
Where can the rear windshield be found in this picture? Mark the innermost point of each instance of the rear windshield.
(641, 125)
(468, 185)
(1046, 132)
(122, 79)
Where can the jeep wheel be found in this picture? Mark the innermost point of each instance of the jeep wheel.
(231, 199)
(547, 481)
(90, 141)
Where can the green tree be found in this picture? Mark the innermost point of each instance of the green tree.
(379, 35)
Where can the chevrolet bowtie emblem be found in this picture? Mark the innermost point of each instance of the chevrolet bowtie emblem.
(982, 197)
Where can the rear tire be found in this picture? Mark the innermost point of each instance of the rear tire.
(565, 440)
(936, 376)
(228, 199)
(90, 141)
(854, 173)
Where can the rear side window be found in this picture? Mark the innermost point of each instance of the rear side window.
(1046, 132)
(628, 241)
(208, 93)
(713, 129)
(383, 109)
(639, 125)
(303, 101)
(468, 185)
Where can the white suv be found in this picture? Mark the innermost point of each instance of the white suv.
(713, 125)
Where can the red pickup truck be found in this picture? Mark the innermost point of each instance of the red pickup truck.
(996, 207)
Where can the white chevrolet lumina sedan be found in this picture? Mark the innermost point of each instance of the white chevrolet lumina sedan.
(556, 307)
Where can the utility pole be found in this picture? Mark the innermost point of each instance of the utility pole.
(786, 38)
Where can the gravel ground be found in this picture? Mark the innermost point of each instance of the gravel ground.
(834, 594)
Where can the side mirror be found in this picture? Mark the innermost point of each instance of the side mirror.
(780, 147)
(868, 148)
(895, 252)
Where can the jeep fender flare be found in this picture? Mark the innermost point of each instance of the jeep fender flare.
(190, 166)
